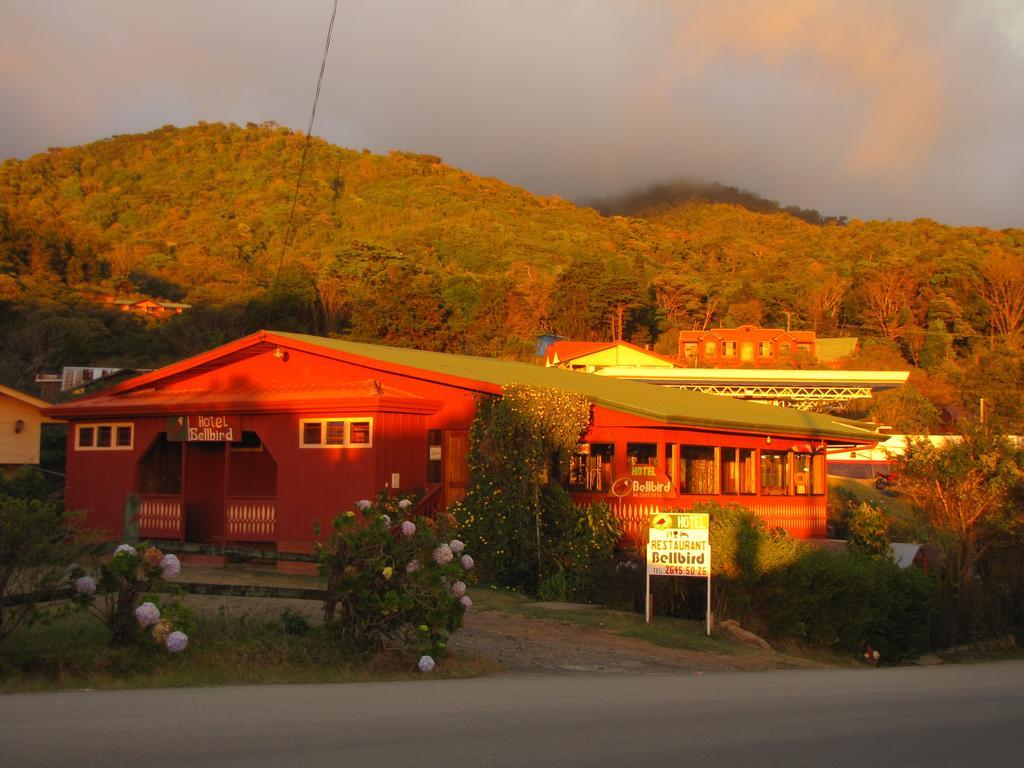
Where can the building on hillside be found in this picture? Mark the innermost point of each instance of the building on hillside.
(255, 441)
(72, 377)
(157, 308)
(21, 421)
(751, 346)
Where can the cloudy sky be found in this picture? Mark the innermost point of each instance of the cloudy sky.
(866, 108)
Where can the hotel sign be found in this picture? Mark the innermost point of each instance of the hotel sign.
(642, 482)
(678, 545)
(204, 428)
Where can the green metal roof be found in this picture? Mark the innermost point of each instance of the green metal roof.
(663, 404)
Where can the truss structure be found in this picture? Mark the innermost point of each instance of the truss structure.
(801, 396)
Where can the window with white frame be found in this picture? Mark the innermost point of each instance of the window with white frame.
(336, 433)
(104, 437)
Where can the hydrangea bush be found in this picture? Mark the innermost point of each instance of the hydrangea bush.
(113, 596)
(394, 582)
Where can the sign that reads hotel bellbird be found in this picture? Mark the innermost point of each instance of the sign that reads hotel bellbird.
(678, 545)
(204, 428)
(642, 482)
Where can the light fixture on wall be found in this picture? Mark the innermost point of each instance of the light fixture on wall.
(19, 426)
(767, 439)
(281, 354)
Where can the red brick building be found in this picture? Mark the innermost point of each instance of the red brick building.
(747, 345)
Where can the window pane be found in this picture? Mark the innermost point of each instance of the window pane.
(103, 436)
(748, 471)
(730, 471)
(359, 433)
(729, 348)
(802, 477)
(311, 433)
(774, 472)
(86, 435)
(124, 436)
(335, 433)
(698, 470)
(645, 454)
(709, 348)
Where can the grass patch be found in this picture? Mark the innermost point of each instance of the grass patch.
(668, 632)
(71, 652)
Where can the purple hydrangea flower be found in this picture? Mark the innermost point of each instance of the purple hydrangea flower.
(126, 549)
(363, 504)
(170, 566)
(443, 554)
(408, 528)
(147, 614)
(467, 562)
(466, 601)
(86, 586)
(412, 566)
(404, 504)
(458, 589)
(176, 642)
(457, 546)
(426, 664)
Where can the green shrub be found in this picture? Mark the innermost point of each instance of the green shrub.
(38, 543)
(393, 583)
(843, 600)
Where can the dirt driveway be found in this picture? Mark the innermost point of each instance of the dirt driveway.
(552, 643)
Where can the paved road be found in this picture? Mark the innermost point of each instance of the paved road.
(938, 716)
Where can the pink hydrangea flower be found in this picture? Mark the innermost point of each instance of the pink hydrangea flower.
(426, 664)
(170, 566)
(467, 562)
(458, 589)
(466, 601)
(125, 549)
(147, 614)
(443, 554)
(412, 566)
(404, 504)
(176, 642)
(86, 586)
(408, 528)
(457, 546)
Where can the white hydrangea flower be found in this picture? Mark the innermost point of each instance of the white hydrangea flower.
(386, 519)
(458, 589)
(363, 504)
(426, 664)
(176, 642)
(147, 614)
(408, 528)
(457, 546)
(404, 504)
(86, 585)
(466, 601)
(170, 566)
(443, 554)
(126, 549)
(412, 566)
(467, 562)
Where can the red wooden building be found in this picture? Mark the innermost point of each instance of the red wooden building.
(256, 440)
(746, 346)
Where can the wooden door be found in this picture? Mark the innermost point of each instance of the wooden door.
(456, 471)
(203, 492)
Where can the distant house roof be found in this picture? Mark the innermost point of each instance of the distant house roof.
(482, 374)
(28, 399)
(565, 351)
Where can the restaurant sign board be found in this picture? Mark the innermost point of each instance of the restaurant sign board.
(204, 428)
(678, 544)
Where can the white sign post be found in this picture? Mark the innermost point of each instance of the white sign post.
(678, 545)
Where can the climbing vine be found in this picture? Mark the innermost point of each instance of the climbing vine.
(518, 444)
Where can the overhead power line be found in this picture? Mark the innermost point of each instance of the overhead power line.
(289, 230)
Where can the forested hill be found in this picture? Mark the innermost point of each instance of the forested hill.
(402, 249)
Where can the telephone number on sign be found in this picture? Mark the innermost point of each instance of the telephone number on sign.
(682, 570)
